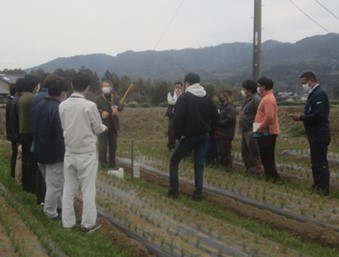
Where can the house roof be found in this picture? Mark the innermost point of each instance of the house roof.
(3, 91)
(10, 78)
(6, 80)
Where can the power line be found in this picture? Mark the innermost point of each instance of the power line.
(323, 6)
(309, 17)
(170, 22)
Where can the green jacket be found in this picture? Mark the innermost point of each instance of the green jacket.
(24, 107)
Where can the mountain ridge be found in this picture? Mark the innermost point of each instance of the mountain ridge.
(227, 62)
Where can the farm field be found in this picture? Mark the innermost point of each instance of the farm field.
(223, 224)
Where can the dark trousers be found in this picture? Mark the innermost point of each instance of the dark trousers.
(320, 171)
(266, 146)
(225, 153)
(13, 157)
(250, 152)
(29, 164)
(199, 145)
(170, 134)
(108, 140)
(40, 189)
(212, 150)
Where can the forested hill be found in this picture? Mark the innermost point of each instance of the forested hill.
(229, 62)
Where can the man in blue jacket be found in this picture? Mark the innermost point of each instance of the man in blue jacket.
(40, 185)
(195, 116)
(316, 124)
(49, 146)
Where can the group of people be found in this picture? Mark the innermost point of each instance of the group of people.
(196, 121)
(58, 136)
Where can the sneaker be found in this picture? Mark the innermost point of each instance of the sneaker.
(174, 194)
(97, 226)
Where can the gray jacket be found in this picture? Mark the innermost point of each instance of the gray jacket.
(248, 112)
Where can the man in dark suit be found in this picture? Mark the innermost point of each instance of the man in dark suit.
(109, 107)
(316, 124)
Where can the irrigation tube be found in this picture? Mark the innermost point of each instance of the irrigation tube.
(154, 249)
(237, 197)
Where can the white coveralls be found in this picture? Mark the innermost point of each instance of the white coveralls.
(81, 123)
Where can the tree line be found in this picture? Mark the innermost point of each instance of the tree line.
(145, 92)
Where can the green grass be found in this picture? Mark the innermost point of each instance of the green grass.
(50, 233)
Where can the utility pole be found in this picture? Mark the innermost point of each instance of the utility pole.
(256, 40)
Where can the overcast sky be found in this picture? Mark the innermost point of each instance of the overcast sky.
(37, 31)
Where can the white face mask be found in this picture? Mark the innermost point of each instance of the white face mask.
(106, 90)
(306, 87)
(258, 90)
(243, 93)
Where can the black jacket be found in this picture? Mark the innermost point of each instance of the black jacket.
(194, 115)
(12, 119)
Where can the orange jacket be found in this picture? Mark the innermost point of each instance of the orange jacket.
(267, 114)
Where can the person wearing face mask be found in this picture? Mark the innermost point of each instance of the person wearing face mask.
(249, 147)
(172, 98)
(225, 130)
(316, 124)
(266, 128)
(49, 146)
(109, 106)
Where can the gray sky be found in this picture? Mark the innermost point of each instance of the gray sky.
(37, 31)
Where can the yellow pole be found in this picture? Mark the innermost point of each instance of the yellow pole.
(123, 99)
